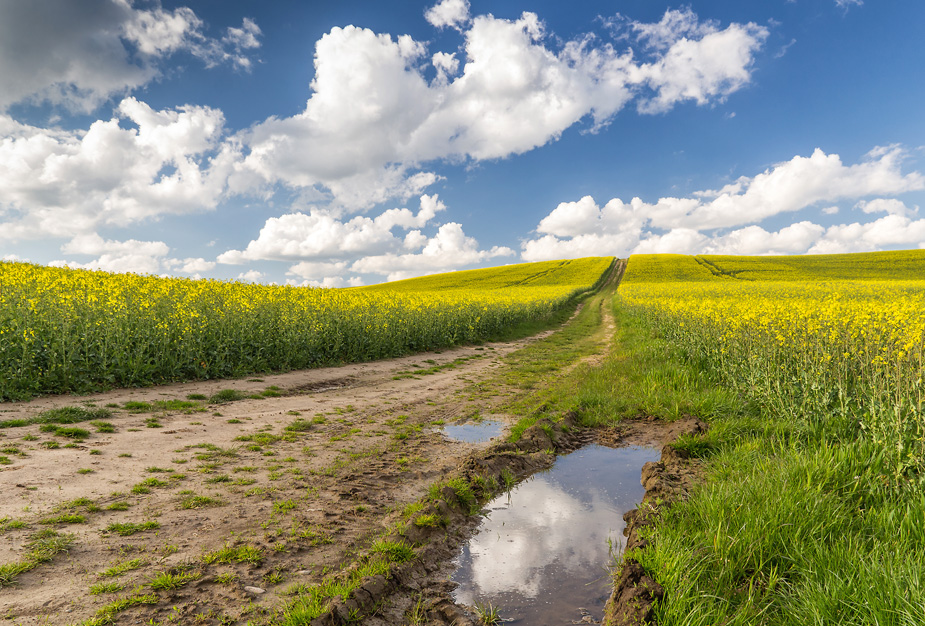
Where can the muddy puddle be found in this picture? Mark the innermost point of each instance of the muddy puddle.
(541, 555)
(481, 432)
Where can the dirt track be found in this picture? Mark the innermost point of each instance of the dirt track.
(307, 500)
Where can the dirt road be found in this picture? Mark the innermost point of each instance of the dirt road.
(303, 478)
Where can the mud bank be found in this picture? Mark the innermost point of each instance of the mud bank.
(635, 592)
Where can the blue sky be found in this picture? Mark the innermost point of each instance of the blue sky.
(355, 142)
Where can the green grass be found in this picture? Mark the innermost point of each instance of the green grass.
(70, 432)
(429, 520)
(299, 426)
(64, 518)
(394, 551)
(61, 415)
(793, 525)
(226, 395)
(120, 568)
(103, 427)
(108, 613)
(643, 376)
(42, 547)
(125, 529)
(234, 554)
(170, 581)
(199, 502)
(7, 523)
(136, 406)
(147, 484)
(112, 586)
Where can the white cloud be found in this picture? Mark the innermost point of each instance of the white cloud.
(672, 28)
(61, 183)
(787, 187)
(309, 270)
(846, 4)
(703, 70)
(446, 65)
(448, 250)
(752, 240)
(675, 241)
(359, 139)
(552, 248)
(886, 205)
(251, 276)
(79, 54)
(93, 244)
(888, 231)
(238, 41)
(140, 257)
(448, 13)
(332, 252)
(699, 224)
(320, 235)
(191, 265)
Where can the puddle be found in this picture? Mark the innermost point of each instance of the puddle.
(542, 553)
(484, 431)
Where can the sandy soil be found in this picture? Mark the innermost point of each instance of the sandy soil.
(306, 500)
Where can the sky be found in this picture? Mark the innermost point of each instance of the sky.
(353, 142)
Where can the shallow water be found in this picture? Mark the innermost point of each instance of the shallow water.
(542, 553)
(484, 431)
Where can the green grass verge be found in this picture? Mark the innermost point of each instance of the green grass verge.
(793, 525)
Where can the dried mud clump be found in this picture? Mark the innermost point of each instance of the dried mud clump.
(635, 591)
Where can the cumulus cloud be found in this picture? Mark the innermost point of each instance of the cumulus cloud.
(891, 230)
(332, 252)
(191, 265)
(886, 205)
(448, 13)
(251, 276)
(321, 235)
(79, 54)
(705, 69)
(701, 223)
(513, 91)
(60, 183)
(449, 249)
(140, 257)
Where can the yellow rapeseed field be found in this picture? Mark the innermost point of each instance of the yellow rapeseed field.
(74, 330)
(833, 340)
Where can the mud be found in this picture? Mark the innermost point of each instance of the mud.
(635, 592)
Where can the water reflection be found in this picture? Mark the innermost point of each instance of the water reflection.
(543, 550)
(486, 430)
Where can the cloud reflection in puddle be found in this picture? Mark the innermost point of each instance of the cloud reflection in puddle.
(542, 551)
